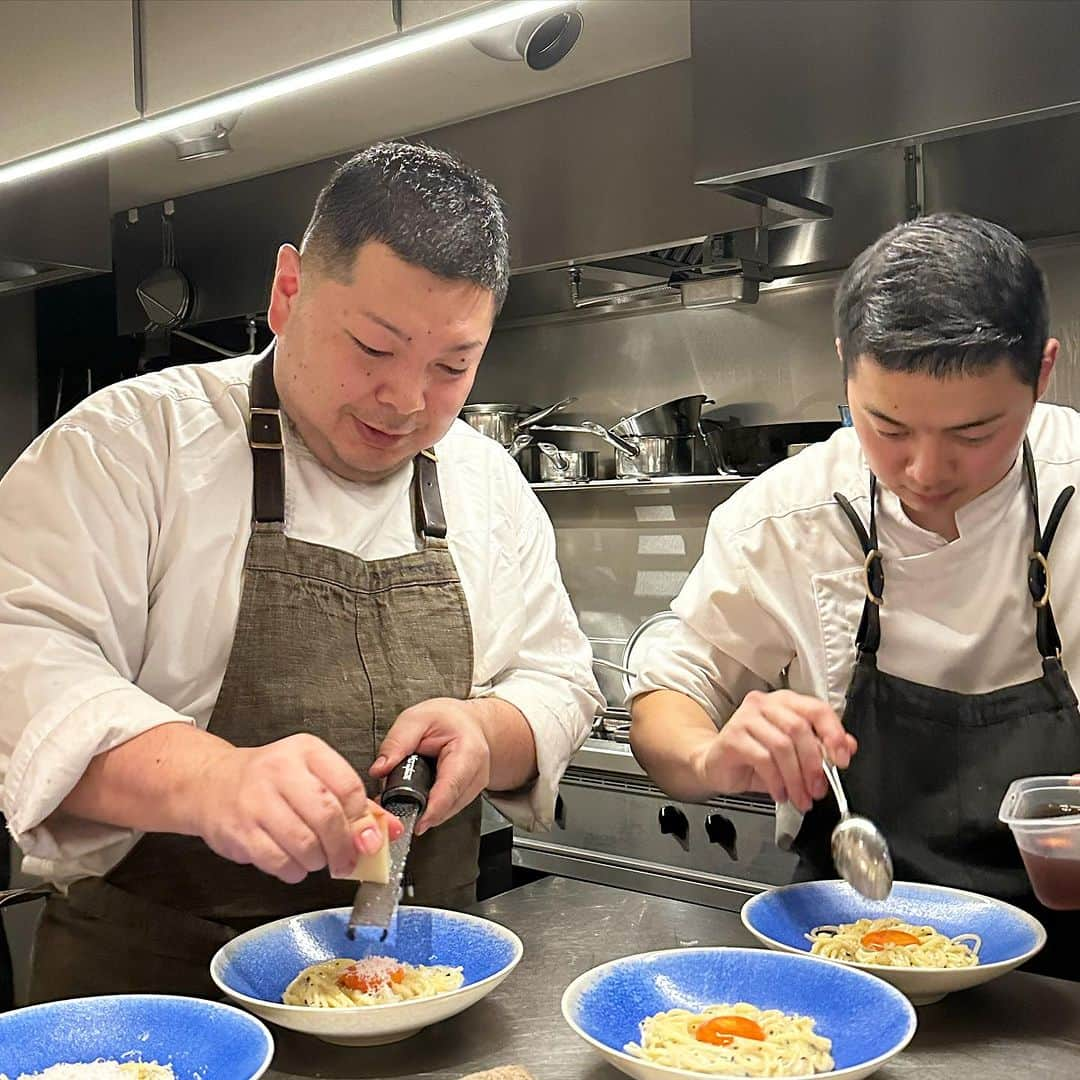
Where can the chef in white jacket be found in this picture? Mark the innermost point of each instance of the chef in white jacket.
(886, 595)
(232, 593)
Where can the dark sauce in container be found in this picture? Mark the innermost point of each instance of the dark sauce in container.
(1054, 876)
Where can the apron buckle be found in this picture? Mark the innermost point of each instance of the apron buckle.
(1038, 560)
(871, 563)
(265, 429)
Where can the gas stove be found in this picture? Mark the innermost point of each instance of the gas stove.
(614, 826)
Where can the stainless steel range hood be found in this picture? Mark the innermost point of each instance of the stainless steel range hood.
(782, 84)
(815, 220)
(55, 228)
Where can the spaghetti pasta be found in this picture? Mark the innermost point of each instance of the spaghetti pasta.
(734, 1040)
(375, 980)
(103, 1070)
(892, 943)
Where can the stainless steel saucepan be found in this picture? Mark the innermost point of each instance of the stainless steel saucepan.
(659, 455)
(558, 465)
(503, 422)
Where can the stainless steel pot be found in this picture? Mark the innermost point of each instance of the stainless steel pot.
(680, 416)
(659, 455)
(502, 421)
(498, 421)
(559, 465)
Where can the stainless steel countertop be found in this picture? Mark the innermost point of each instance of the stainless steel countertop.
(1019, 1027)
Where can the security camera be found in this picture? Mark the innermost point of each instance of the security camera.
(540, 40)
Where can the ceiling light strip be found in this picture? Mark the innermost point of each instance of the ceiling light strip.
(407, 44)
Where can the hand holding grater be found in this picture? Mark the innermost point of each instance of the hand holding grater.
(405, 795)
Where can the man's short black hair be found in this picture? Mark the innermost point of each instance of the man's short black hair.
(425, 205)
(944, 294)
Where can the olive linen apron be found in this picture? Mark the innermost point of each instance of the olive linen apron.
(933, 765)
(325, 643)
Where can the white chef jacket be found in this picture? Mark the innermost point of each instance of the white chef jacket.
(123, 530)
(779, 586)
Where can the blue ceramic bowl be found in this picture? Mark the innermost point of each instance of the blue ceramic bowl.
(866, 1019)
(780, 918)
(255, 968)
(202, 1040)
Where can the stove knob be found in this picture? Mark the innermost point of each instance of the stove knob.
(673, 821)
(721, 830)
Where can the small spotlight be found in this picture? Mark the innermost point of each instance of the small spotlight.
(199, 142)
(540, 40)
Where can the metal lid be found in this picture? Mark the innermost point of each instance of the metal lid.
(650, 633)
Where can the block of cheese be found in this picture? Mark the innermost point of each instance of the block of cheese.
(374, 868)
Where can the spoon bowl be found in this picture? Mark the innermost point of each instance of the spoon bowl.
(859, 851)
(862, 858)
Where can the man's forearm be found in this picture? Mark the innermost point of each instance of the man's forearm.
(149, 783)
(669, 735)
(513, 748)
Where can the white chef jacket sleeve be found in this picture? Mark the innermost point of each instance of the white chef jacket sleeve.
(78, 529)
(728, 640)
(550, 677)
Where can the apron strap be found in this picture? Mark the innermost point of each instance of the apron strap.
(268, 461)
(1046, 631)
(267, 450)
(430, 516)
(869, 636)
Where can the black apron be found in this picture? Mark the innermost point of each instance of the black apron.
(325, 643)
(933, 765)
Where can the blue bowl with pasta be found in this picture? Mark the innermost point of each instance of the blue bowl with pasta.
(681, 1012)
(186, 1038)
(962, 939)
(304, 973)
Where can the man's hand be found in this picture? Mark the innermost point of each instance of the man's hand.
(451, 731)
(773, 743)
(289, 808)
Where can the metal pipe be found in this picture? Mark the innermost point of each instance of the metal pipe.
(207, 344)
(620, 296)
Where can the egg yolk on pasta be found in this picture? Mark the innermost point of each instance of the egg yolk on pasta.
(365, 982)
(721, 1030)
(884, 939)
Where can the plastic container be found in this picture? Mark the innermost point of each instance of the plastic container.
(1043, 813)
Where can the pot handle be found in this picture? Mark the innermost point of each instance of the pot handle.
(519, 444)
(555, 456)
(614, 667)
(622, 445)
(543, 414)
(590, 427)
(715, 450)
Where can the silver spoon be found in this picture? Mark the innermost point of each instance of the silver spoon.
(860, 853)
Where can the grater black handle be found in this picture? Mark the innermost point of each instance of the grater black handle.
(410, 781)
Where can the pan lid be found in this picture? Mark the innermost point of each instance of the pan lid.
(652, 632)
